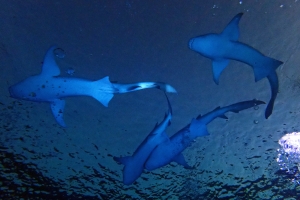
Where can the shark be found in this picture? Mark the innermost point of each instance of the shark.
(170, 150)
(134, 165)
(49, 87)
(223, 47)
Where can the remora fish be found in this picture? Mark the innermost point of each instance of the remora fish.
(48, 87)
(171, 149)
(134, 165)
(221, 48)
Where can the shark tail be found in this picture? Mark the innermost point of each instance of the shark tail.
(243, 105)
(266, 67)
(273, 80)
(269, 108)
(198, 126)
(124, 88)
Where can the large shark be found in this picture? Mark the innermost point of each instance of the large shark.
(48, 87)
(134, 165)
(221, 48)
(171, 149)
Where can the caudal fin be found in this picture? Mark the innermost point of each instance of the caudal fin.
(266, 67)
(269, 108)
(273, 80)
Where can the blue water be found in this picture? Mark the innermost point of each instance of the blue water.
(132, 41)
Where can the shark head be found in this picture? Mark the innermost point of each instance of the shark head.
(12, 92)
(30, 89)
(22, 91)
(208, 45)
(195, 44)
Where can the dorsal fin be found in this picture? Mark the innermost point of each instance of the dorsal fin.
(217, 108)
(50, 68)
(199, 116)
(231, 31)
(223, 116)
(181, 161)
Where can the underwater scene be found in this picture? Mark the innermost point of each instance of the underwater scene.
(150, 99)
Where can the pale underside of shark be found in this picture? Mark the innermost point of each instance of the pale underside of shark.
(171, 149)
(134, 165)
(48, 87)
(223, 47)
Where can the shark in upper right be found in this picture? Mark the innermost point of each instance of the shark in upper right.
(221, 48)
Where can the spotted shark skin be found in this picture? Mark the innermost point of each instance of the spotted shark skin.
(223, 47)
(49, 87)
(134, 165)
(171, 149)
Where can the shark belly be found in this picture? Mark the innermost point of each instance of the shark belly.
(134, 166)
(246, 54)
(48, 89)
(165, 152)
(55, 89)
(216, 47)
(66, 87)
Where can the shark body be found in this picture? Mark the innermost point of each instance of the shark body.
(171, 149)
(223, 47)
(134, 165)
(48, 87)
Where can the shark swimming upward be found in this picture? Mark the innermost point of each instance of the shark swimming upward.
(48, 87)
(221, 48)
(171, 149)
(134, 165)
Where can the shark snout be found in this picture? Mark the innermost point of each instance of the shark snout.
(191, 43)
(11, 91)
(14, 92)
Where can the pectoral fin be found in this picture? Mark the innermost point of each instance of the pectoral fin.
(181, 161)
(197, 129)
(57, 107)
(103, 98)
(218, 67)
